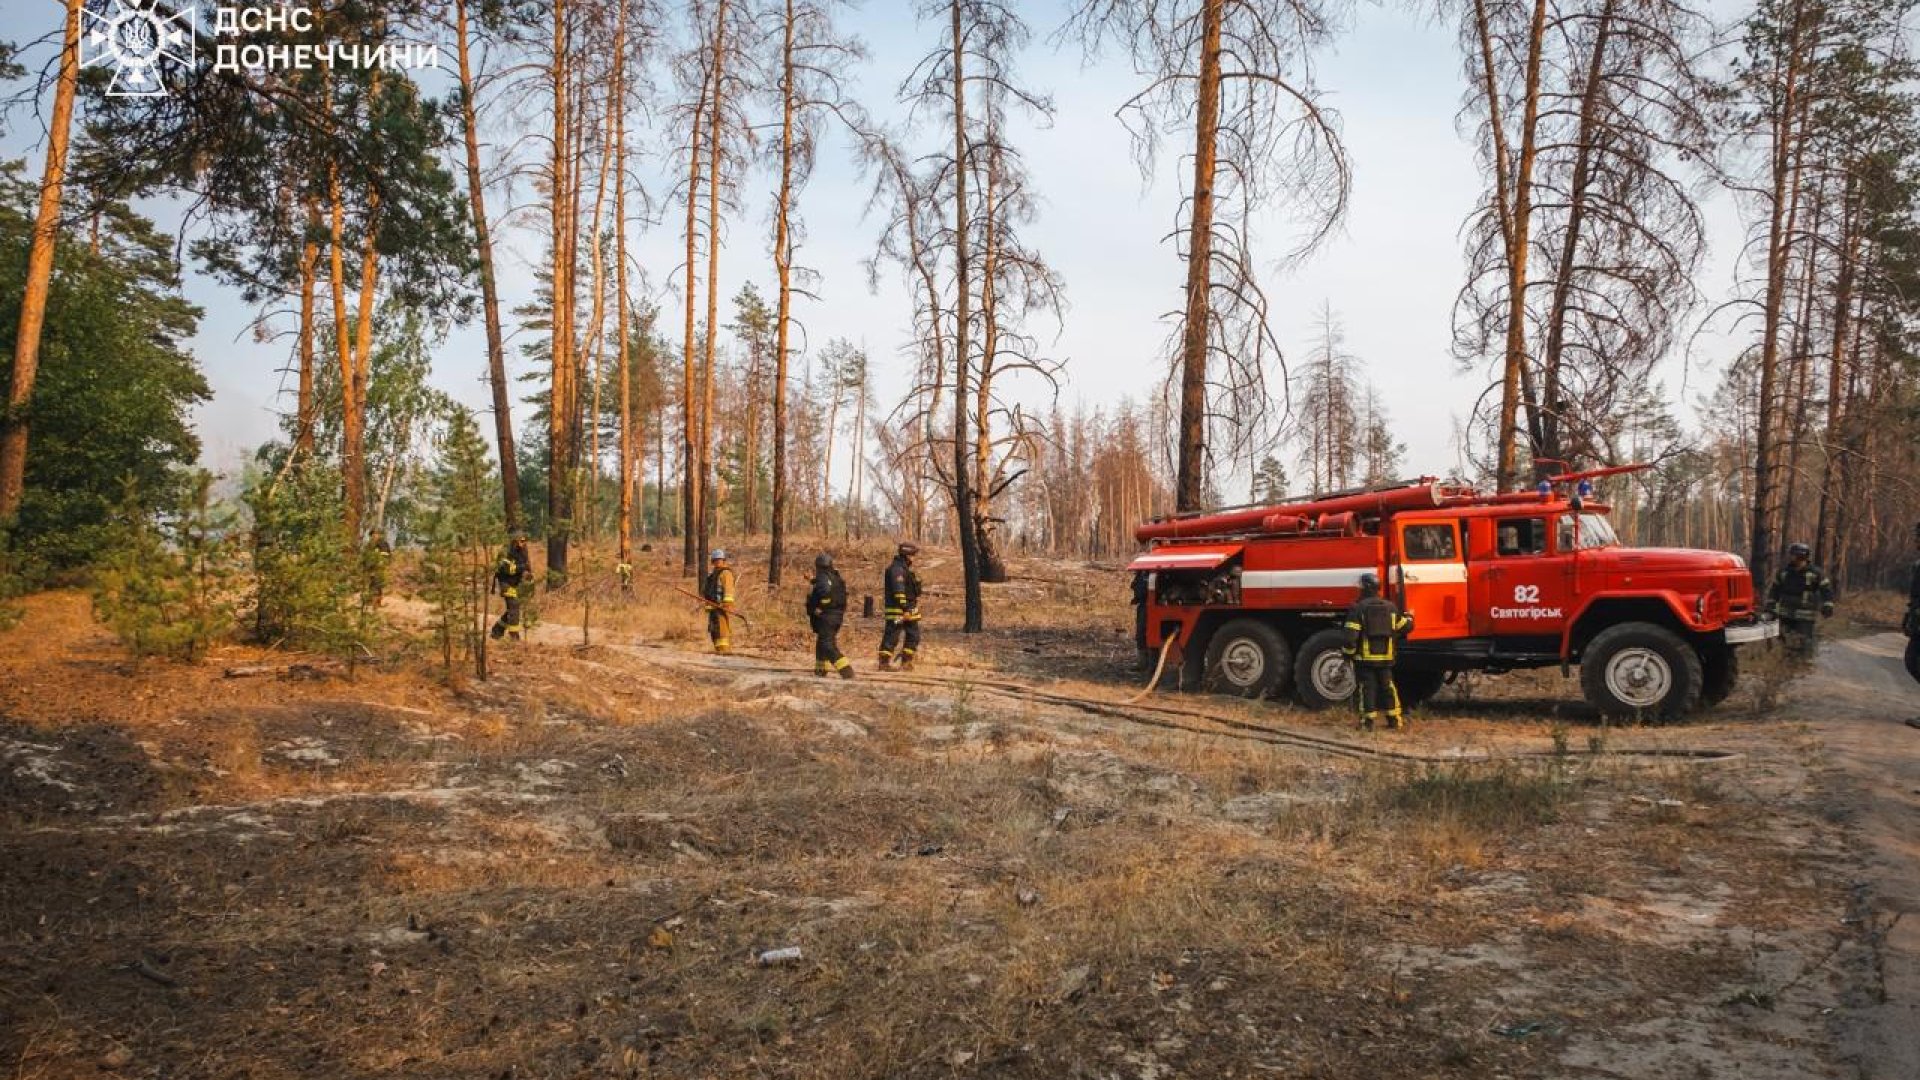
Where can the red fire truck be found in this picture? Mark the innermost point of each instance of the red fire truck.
(1251, 597)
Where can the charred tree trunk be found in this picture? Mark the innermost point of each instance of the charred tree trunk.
(1189, 486)
(963, 277)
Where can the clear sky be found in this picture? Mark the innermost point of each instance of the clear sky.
(1391, 273)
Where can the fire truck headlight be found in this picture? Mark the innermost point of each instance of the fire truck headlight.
(1700, 608)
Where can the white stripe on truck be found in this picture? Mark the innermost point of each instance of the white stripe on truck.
(1333, 578)
(1434, 573)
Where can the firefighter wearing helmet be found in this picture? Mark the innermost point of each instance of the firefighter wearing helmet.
(1911, 624)
(902, 590)
(717, 591)
(509, 574)
(1374, 625)
(1800, 591)
(826, 610)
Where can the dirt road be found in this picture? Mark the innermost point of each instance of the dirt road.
(1858, 703)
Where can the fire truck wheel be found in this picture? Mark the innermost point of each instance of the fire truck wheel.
(1322, 677)
(1720, 672)
(1639, 669)
(1247, 658)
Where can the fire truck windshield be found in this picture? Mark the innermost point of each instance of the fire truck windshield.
(1595, 532)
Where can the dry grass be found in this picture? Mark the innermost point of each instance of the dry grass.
(571, 868)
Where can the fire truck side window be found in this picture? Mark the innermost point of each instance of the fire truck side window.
(1521, 536)
(1425, 543)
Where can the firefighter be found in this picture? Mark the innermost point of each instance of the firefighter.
(902, 589)
(509, 574)
(826, 610)
(1911, 624)
(717, 591)
(1800, 590)
(1373, 625)
(1142, 656)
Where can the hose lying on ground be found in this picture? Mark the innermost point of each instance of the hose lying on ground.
(1165, 648)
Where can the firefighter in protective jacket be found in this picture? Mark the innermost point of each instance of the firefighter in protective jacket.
(509, 574)
(902, 587)
(1374, 625)
(1800, 591)
(826, 611)
(717, 591)
(1911, 624)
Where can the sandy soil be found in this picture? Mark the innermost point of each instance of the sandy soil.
(574, 868)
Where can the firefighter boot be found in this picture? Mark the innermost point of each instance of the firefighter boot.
(820, 668)
(846, 668)
(906, 660)
(886, 662)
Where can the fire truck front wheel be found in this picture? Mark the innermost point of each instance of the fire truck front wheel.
(1639, 669)
(1247, 658)
(1322, 677)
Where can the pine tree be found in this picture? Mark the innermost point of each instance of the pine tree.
(165, 584)
(463, 525)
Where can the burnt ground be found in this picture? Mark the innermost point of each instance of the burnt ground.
(572, 868)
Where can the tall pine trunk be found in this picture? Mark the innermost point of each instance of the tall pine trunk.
(352, 456)
(629, 437)
(309, 274)
(716, 126)
(489, 288)
(561, 397)
(33, 304)
(691, 493)
(1548, 436)
(1514, 367)
(783, 267)
(1764, 533)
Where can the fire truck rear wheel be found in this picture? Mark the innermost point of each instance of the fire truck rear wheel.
(1247, 658)
(1322, 678)
(1641, 670)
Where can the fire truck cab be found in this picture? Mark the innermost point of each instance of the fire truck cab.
(1252, 597)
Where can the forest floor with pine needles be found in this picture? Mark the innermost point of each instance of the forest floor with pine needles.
(577, 866)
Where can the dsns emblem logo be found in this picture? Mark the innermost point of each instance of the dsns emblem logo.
(140, 40)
